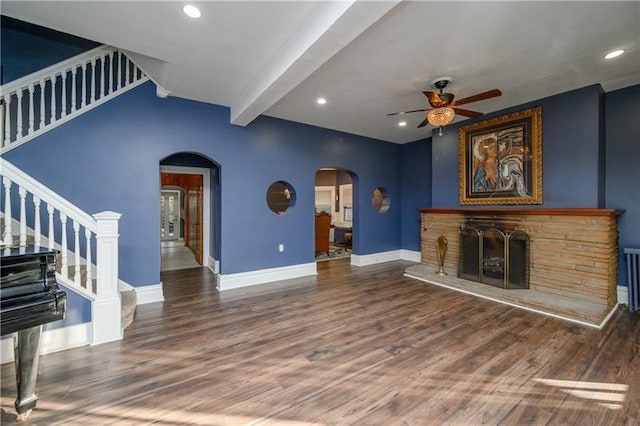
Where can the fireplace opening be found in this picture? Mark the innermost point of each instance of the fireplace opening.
(493, 256)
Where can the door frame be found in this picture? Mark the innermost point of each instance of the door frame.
(206, 208)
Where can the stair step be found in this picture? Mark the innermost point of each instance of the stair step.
(129, 302)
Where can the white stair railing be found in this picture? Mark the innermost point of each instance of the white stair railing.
(47, 98)
(101, 228)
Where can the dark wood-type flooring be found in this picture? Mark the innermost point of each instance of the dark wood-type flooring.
(352, 346)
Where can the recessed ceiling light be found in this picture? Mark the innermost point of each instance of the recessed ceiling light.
(191, 11)
(402, 123)
(321, 101)
(614, 54)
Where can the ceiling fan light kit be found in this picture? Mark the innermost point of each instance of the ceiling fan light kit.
(443, 107)
(439, 117)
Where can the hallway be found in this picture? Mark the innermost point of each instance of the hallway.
(177, 256)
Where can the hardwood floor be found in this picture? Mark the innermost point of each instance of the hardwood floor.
(356, 346)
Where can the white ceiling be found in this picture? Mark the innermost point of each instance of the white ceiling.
(368, 58)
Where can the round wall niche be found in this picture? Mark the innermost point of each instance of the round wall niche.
(281, 197)
(381, 199)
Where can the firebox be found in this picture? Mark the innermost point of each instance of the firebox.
(498, 256)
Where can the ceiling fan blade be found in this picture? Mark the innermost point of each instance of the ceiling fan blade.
(424, 123)
(406, 112)
(434, 98)
(478, 97)
(467, 113)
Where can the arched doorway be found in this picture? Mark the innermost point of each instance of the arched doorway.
(334, 205)
(189, 212)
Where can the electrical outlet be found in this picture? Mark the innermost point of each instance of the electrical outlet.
(281, 247)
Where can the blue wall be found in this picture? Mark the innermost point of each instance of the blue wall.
(43, 47)
(111, 158)
(415, 180)
(623, 165)
(572, 172)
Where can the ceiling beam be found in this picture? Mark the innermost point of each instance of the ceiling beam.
(331, 27)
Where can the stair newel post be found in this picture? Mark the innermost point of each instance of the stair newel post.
(87, 234)
(36, 226)
(106, 306)
(76, 251)
(8, 237)
(64, 255)
(52, 241)
(23, 216)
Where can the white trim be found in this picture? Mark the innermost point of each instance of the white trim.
(623, 295)
(343, 188)
(149, 294)
(48, 196)
(374, 258)
(213, 265)
(332, 190)
(410, 255)
(206, 200)
(515, 305)
(55, 340)
(123, 286)
(262, 276)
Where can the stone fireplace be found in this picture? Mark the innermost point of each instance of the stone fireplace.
(568, 255)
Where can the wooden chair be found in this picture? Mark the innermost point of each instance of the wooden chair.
(323, 223)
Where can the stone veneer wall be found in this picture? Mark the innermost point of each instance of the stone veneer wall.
(573, 252)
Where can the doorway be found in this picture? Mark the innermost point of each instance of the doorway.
(334, 197)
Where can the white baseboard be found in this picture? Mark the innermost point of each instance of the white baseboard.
(213, 265)
(623, 295)
(262, 276)
(56, 340)
(410, 255)
(123, 286)
(149, 294)
(372, 259)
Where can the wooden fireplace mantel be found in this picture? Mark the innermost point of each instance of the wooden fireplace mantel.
(526, 211)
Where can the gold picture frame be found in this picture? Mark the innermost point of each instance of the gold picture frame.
(500, 160)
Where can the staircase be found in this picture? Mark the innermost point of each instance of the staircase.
(43, 100)
(31, 214)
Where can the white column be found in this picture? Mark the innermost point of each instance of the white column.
(63, 94)
(106, 306)
(8, 237)
(19, 94)
(74, 83)
(83, 98)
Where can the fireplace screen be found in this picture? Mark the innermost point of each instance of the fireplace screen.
(495, 257)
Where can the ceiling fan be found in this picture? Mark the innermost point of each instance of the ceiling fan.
(444, 107)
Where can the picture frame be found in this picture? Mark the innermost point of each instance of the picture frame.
(500, 160)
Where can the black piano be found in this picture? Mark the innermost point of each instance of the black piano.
(29, 298)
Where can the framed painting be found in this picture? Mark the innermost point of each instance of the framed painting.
(500, 160)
